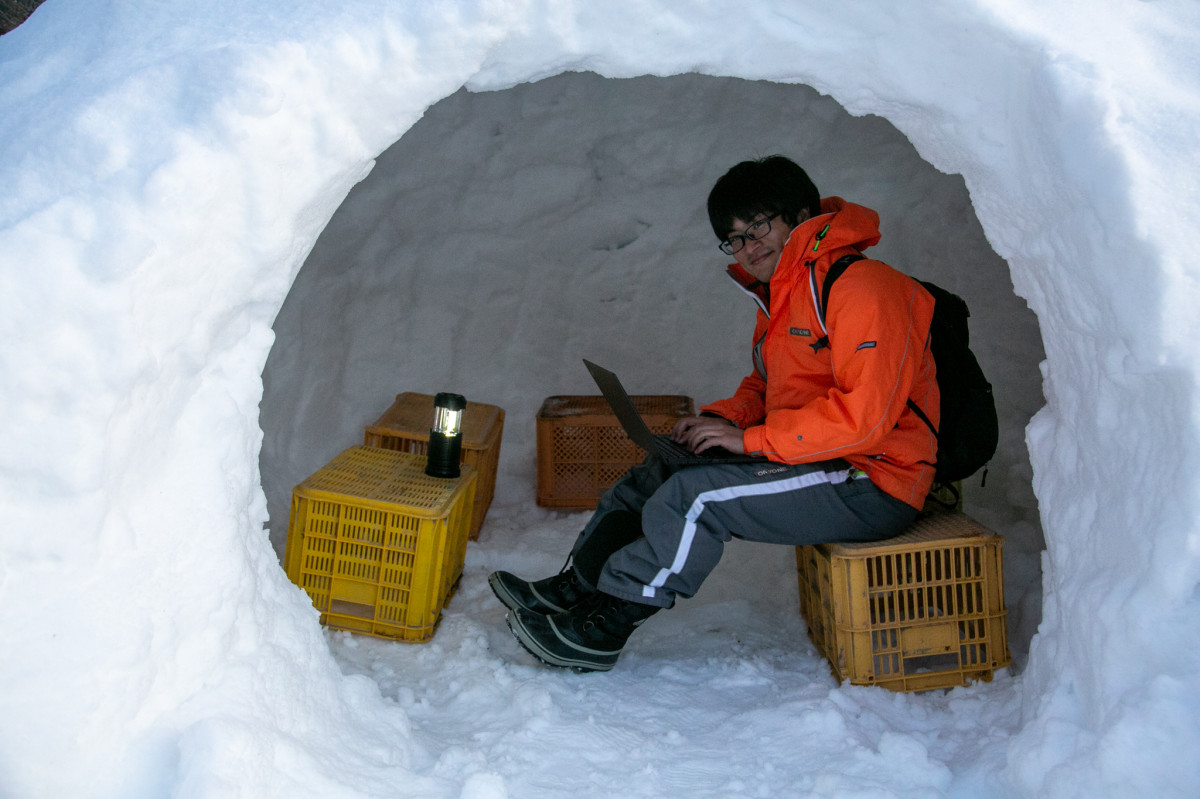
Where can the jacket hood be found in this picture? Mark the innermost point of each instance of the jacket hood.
(841, 224)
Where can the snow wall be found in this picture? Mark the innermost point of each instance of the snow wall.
(165, 172)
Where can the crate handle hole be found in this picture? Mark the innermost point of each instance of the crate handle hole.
(355, 609)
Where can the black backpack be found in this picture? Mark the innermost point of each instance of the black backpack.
(969, 430)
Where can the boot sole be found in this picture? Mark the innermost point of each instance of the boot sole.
(561, 661)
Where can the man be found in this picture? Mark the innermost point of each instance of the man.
(826, 405)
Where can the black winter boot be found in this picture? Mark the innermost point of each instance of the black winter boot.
(554, 594)
(570, 586)
(589, 637)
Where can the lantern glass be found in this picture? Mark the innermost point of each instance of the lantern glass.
(445, 437)
(447, 421)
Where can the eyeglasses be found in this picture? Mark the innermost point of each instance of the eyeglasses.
(753, 232)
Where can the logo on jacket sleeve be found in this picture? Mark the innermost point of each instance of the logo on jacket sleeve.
(800, 331)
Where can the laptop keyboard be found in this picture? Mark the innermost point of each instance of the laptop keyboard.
(673, 447)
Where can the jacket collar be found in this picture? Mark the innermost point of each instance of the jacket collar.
(758, 290)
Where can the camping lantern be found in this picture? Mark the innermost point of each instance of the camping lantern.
(445, 437)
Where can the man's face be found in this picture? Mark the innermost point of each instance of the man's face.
(760, 255)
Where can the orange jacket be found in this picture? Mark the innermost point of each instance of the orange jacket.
(848, 400)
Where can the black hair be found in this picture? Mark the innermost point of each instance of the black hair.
(771, 185)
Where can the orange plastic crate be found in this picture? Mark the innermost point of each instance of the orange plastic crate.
(582, 448)
(377, 544)
(920, 611)
(404, 427)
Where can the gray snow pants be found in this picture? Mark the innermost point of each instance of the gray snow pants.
(687, 514)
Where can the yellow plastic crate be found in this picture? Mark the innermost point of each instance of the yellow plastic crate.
(404, 427)
(582, 448)
(920, 611)
(377, 544)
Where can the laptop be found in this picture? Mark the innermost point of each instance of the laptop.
(657, 443)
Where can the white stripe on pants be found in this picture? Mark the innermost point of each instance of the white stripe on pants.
(723, 495)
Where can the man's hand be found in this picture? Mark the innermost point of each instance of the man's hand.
(699, 433)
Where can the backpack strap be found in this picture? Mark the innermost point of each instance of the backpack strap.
(921, 415)
(835, 271)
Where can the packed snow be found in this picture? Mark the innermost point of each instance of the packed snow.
(230, 233)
